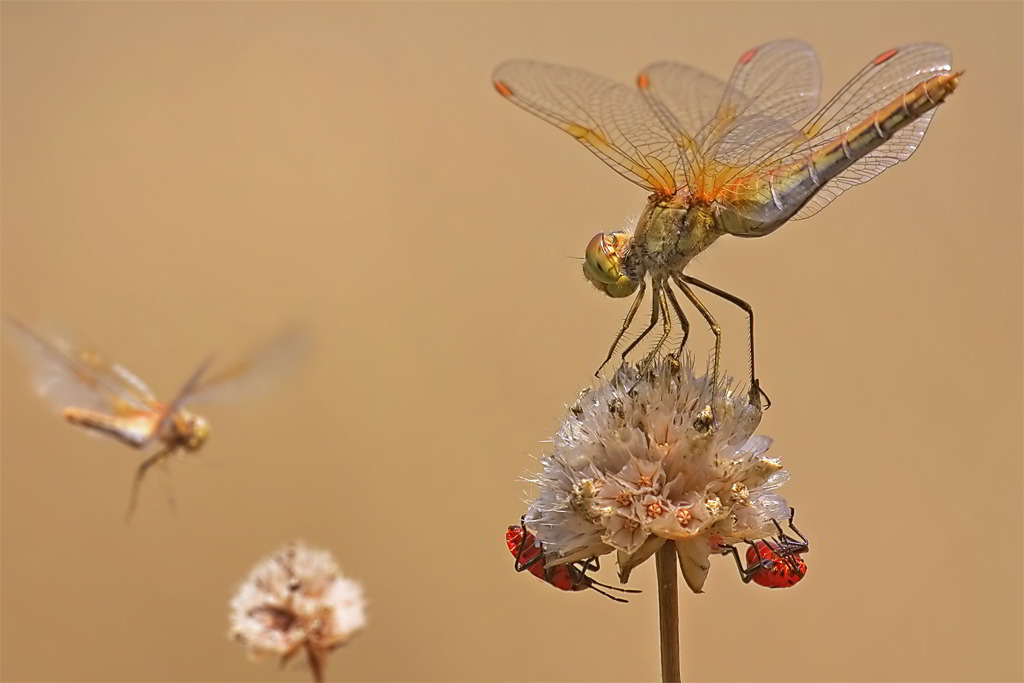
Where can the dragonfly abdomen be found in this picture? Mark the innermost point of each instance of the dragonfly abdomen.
(829, 161)
(134, 431)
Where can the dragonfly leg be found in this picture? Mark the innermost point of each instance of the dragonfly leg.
(655, 311)
(666, 330)
(625, 325)
(683, 322)
(715, 329)
(169, 486)
(756, 392)
(159, 456)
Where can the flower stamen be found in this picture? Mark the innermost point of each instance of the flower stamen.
(713, 504)
(739, 493)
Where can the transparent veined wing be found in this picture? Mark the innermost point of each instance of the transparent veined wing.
(610, 119)
(772, 88)
(183, 394)
(886, 77)
(899, 148)
(258, 370)
(684, 99)
(79, 377)
(881, 82)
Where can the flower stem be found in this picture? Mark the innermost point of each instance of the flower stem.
(668, 612)
(316, 663)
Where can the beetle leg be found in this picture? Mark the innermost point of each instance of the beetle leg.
(745, 573)
(610, 597)
(520, 567)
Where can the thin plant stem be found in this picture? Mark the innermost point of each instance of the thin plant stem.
(316, 663)
(668, 612)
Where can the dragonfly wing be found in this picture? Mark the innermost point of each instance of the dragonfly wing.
(259, 370)
(871, 89)
(183, 394)
(772, 88)
(610, 119)
(903, 143)
(684, 99)
(80, 378)
(881, 82)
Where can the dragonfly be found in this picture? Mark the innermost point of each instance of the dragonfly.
(736, 158)
(106, 398)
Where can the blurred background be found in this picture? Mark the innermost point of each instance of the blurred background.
(184, 178)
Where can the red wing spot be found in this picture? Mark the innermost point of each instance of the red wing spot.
(885, 56)
(643, 82)
(502, 89)
(748, 55)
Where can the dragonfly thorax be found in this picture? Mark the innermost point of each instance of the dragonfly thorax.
(668, 236)
(190, 430)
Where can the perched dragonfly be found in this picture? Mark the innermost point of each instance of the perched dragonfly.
(737, 158)
(106, 398)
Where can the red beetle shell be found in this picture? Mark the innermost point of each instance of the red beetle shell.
(564, 576)
(783, 573)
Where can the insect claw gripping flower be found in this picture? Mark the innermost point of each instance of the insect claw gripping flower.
(297, 600)
(650, 457)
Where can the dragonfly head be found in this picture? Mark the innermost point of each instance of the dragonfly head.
(603, 264)
(196, 432)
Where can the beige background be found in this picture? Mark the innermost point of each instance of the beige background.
(182, 178)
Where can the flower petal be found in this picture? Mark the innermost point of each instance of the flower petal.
(627, 561)
(694, 561)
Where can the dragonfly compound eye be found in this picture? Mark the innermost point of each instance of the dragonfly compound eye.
(603, 264)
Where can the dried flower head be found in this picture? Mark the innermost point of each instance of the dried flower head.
(647, 458)
(297, 599)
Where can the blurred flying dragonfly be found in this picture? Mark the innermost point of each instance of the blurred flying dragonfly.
(106, 398)
(737, 158)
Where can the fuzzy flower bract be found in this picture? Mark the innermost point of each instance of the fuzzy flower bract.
(647, 458)
(297, 599)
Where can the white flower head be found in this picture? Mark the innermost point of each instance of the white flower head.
(297, 599)
(648, 458)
